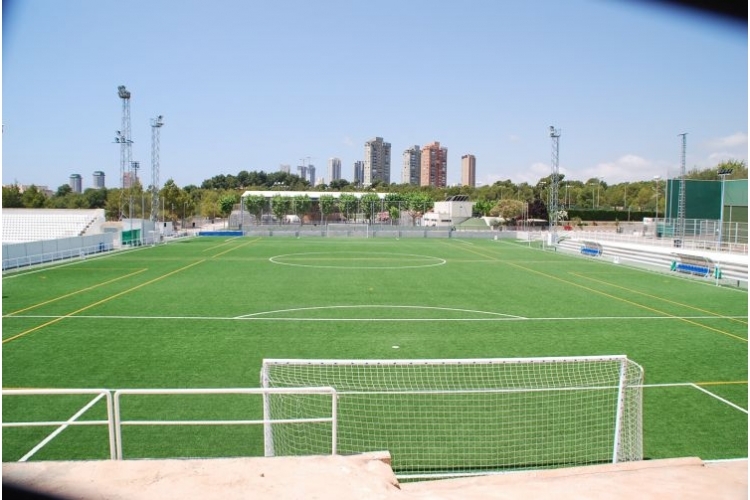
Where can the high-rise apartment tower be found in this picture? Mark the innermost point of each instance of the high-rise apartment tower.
(434, 165)
(377, 162)
(468, 170)
(412, 163)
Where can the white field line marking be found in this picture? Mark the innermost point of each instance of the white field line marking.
(433, 308)
(257, 316)
(57, 431)
(719, 398)
(437, 261)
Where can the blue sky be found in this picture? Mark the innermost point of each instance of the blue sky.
(249, 85)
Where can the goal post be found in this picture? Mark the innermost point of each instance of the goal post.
(453, 417)
(345, 229)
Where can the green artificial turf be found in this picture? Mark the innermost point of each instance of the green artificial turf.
(204, 313)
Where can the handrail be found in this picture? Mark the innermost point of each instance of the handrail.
(115, 422)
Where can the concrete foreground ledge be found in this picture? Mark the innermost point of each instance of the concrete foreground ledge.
(369, 477)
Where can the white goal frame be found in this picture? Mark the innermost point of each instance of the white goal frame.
(619, 393)
(347, 229)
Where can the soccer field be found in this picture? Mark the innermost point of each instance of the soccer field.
(205, 312)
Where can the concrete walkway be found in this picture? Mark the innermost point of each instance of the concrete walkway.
(369, 477)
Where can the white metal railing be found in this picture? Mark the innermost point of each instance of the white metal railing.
(72, 421)
(115, 422)
(649, 238)
(55, 256)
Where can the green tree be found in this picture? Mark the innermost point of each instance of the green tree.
(417, 203)
(12, 197)
(394, 213)
(280, 206)
(63, 190)
(172, 197)
(254, 204)
(209, 204)
(483, 206)
(348, 204)
(226, 204)
(369, 204)
(112, 205)
(33, 198)
(327, 205)
(301, 205)
(738, 167)
(338, 184)
(508, 209)
(95, 198)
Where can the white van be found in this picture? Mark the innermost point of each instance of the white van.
(291, 219)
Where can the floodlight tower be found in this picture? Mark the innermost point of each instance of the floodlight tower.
(122, 137)
(681, 194)
(553, 209)
(156, 124)
(723, 172)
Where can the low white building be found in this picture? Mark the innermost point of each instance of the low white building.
(451, 212)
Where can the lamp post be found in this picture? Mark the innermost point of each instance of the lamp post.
(593, 196)
(656, 218)
(723, 172)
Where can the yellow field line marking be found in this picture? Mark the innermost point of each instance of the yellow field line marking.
(578, 285)
(659, 298)
(76, 292)
(228, 242)
(235, 248)
(5, 341)
(652, 309)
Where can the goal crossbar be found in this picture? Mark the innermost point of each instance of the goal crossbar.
(450, 417)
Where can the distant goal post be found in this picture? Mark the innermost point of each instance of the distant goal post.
(454, 417)
(334, 229)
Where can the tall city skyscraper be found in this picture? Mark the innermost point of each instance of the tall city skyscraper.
(76, 183)
(412, 163)
(377, 162)
(302, 172)
(434, 165)
(358, 175)
(311, 173)
(99, 180)
(468, 170)
(334, 169)
(287, 169)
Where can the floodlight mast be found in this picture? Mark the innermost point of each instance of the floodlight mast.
(156, 124)
(124, 140)
(554, 208)
(681, 193)
(723, 172)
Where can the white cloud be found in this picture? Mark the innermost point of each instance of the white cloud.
(736, 140)
(514, 138)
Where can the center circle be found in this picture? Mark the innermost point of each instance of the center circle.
(357, 260)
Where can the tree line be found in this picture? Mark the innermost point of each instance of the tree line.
(217, 196)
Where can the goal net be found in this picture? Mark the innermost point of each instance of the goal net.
(334, 229)
(441, 418)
